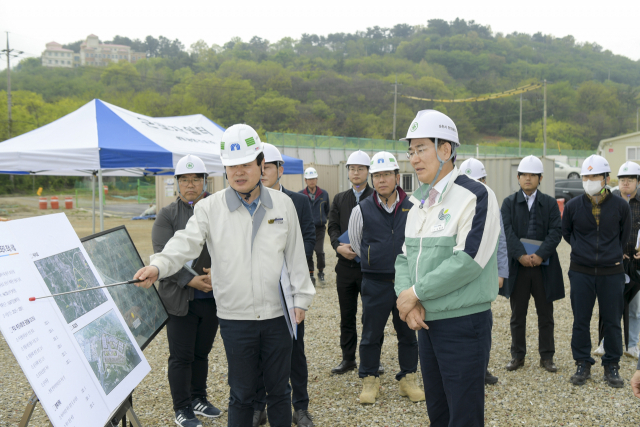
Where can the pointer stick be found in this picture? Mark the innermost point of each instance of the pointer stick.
(88, 289)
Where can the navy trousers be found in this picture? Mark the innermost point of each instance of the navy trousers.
(378, 302)
(299, 377)
(610, 293)
(454, 354)
(250, 344)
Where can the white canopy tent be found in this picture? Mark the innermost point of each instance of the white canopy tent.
(100, 139)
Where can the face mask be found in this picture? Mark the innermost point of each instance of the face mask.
(592, 187)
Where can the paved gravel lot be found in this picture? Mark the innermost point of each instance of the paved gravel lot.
(529, 396)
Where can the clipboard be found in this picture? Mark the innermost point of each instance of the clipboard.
(286, 300)
(531, 246)
(345, 239)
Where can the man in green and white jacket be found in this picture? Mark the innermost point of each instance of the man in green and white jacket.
(447, 275)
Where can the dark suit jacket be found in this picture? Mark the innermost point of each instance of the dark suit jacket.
(305, 218)
(515, 215)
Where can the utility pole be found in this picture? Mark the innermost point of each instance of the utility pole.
(544, 121)
(637, 118)
(9, 54)
(395, 105)
(520, 130)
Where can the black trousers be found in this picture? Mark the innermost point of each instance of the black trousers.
(299, 377)
(190, 340)
(318, 249)
(252, 347)
(378, 302)
(609, 290)
(454, 354)
(348, 283)
(529, 282)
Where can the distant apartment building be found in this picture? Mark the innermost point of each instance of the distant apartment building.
(56, 56)
(92, 54)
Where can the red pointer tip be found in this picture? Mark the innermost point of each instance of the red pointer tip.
(32, 299)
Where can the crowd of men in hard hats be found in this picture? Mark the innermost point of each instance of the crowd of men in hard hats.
(434, 261)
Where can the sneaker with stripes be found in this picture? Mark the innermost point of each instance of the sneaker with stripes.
(202, 406)
(186, 418)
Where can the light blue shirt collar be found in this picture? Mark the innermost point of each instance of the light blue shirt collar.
(251, 207)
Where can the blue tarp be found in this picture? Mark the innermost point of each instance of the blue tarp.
(292, 166)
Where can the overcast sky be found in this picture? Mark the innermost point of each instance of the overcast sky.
(31, 24)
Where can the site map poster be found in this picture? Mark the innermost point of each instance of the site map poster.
(117, 260)
(76, 350)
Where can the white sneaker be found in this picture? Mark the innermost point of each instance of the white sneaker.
(600, 350)
(632, 352)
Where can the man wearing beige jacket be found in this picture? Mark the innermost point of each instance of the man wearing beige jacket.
(250, 231)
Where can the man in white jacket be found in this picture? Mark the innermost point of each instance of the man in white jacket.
(250, 231)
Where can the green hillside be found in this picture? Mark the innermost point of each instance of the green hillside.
(341, 84)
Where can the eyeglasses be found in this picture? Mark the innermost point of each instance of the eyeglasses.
(384, 175)
(359, 170)
(418, 151)
(627, 180)
(185, 181)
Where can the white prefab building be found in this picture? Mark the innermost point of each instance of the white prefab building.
(56, 56)
(620, 149)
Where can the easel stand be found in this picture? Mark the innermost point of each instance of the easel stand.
(125, 410)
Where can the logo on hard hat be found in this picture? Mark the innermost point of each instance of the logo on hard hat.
(391, 159)
(590, 168)
(235, 147)
(189, 165)
(625, 169)
(468, 171)
(250, 141)
(222, 145)
(414, 126)
(380, 161)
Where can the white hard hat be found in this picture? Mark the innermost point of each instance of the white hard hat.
(190, 164)
(629, 169)
(432, 124)
(383, 161)
(240, 144)
(359, 158)
(310, 173)
(531, 164)
(595, 165)
(271, 153)
(474, 168)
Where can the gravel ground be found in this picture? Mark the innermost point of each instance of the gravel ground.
(529, 396)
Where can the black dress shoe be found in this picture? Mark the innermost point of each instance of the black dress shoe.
(302, 418)
(490, 379)
(259, 418)
(381, 369)
(515, 364)
(344, 367)
(321, 276)
(548, 365)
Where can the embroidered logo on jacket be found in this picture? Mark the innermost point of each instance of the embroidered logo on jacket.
(444, 216)
(276, 221)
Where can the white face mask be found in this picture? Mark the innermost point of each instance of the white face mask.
(592, 187)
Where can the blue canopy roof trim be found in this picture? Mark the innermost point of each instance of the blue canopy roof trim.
(292, 166)
(122, 146)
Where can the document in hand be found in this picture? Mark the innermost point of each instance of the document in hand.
(345, 239)
(286, 299)
(531, 246)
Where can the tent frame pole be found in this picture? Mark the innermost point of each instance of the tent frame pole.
(101, 199)
(93, 200)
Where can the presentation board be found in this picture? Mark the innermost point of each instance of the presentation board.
(76, 350)
(117, 260)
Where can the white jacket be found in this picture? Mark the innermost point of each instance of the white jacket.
(247, 253)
